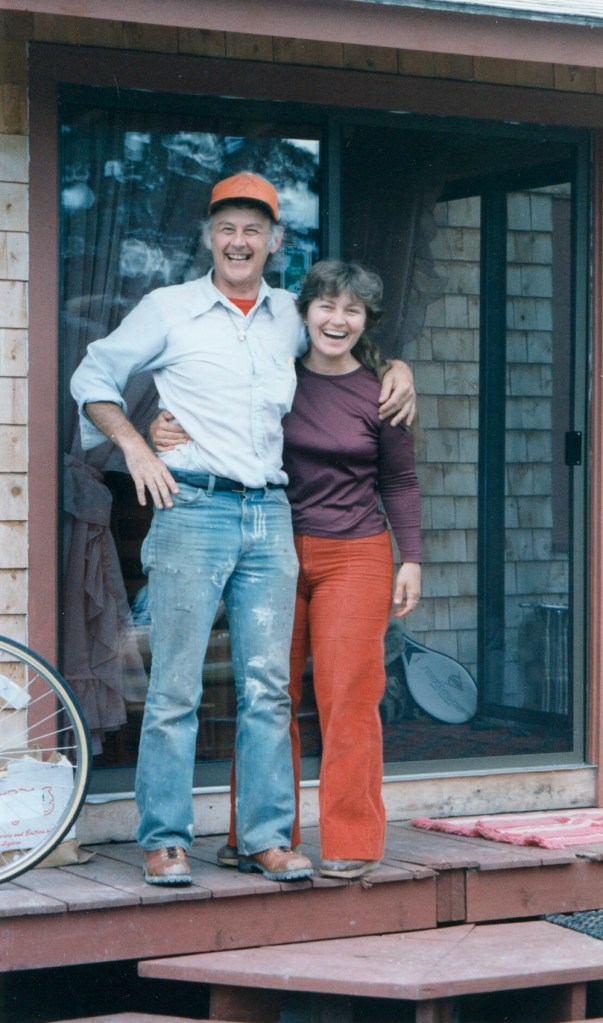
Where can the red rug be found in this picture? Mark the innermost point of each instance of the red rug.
(550, 830)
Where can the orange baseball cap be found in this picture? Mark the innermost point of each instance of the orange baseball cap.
(246, 186)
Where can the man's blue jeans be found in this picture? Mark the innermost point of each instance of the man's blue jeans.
(209, 546)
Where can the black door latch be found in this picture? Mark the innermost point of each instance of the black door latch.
(573, 447)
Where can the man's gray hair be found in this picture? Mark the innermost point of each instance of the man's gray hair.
(276, 230)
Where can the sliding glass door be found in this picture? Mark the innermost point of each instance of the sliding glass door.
(481, 236)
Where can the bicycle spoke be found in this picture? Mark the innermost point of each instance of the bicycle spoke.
(45, 793)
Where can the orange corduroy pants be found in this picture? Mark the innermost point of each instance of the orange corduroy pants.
(342, 609)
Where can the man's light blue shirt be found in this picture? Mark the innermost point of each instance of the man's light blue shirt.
(227, 378)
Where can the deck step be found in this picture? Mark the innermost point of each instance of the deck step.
(431, 968)
(139, 1017)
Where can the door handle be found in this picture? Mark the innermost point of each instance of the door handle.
(573, 447)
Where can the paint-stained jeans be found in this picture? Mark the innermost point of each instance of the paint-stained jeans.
(207, 547)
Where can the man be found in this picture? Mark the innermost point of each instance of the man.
(222, 352)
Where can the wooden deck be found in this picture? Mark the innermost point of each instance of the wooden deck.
(432, 972)
(102, 911)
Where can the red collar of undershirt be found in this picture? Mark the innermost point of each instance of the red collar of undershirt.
(244, 304)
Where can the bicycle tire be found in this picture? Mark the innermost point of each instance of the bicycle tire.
(37, 704)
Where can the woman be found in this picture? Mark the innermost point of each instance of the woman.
(347, 471)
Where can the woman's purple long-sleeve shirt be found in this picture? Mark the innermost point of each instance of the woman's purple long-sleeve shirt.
(341, 458)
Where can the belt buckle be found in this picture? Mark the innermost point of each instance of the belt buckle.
(241, 489)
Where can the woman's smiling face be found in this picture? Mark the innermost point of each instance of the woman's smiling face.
(335, 323)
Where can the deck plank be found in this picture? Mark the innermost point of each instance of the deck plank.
(129, 880)
(452, 896)
(16, 900)
(218, 881)
(444, 851)
(230, 883)
(589, 852)
(513, 894)
(124, 860)
(77, 893)
(135, 1017)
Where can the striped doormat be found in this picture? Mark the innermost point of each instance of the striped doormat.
(548, 829)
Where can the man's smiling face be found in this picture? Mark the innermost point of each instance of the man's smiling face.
(241, 241)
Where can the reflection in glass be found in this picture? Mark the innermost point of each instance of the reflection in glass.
(537, 518)
(135, 189)
(523, 677)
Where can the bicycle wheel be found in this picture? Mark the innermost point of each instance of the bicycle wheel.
(45, 759)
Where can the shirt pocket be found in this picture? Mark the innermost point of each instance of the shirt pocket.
(282, 382)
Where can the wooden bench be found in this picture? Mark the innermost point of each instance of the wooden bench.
(432, 969)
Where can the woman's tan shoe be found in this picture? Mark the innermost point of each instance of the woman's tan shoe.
(347, 868)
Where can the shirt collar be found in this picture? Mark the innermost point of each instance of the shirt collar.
(207, 295)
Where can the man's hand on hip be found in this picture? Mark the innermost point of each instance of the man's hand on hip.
(147, 471)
